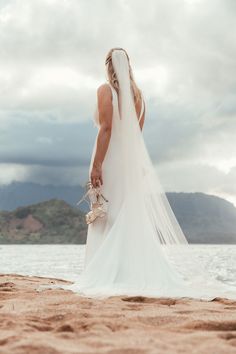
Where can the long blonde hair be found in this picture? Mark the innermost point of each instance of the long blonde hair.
(113, 79)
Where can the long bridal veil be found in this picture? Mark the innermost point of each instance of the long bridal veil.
(142, 188)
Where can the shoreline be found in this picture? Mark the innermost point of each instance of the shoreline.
(55, 321)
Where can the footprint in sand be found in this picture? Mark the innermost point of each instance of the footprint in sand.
(7, 340)
(150, 300)
(65, 328)
(212, 325)
(7, 286)
(229, 337)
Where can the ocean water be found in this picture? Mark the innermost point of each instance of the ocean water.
(66, 261)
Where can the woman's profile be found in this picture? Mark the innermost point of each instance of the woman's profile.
(126, 249)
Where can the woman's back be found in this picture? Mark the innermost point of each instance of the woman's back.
(139, 105)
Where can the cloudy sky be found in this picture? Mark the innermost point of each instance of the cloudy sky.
(183, 54)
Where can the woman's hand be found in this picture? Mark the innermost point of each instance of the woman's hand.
(96, 175)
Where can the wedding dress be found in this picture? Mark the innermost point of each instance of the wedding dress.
(126, 250)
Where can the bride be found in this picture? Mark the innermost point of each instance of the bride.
(126, 250)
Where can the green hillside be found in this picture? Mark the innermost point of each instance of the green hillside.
(53, 221)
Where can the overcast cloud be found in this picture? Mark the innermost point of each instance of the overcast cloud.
(183, 55)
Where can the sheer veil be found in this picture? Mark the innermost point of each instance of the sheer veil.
(144, 194)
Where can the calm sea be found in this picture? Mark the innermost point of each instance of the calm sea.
(66, 261)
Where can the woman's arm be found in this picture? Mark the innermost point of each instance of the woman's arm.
(105, 110)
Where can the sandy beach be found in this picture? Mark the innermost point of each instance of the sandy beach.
(58, 321)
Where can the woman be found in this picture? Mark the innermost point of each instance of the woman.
(126, 248)
(106, 162)
(105, 109)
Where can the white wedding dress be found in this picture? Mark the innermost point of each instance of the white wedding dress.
(122, 255)
(126, 250)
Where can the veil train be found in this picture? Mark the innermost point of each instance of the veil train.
(143, 190)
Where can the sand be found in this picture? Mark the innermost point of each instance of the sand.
(59, 321)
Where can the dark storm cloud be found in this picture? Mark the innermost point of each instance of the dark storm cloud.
(47, 143)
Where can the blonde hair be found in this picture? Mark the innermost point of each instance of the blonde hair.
(113, 79)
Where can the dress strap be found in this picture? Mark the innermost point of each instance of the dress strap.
(142, 108)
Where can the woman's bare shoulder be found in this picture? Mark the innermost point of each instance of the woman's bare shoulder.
(104, 87)
(104, 90)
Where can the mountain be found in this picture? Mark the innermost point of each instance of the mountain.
(53, 221)
(203, 218)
